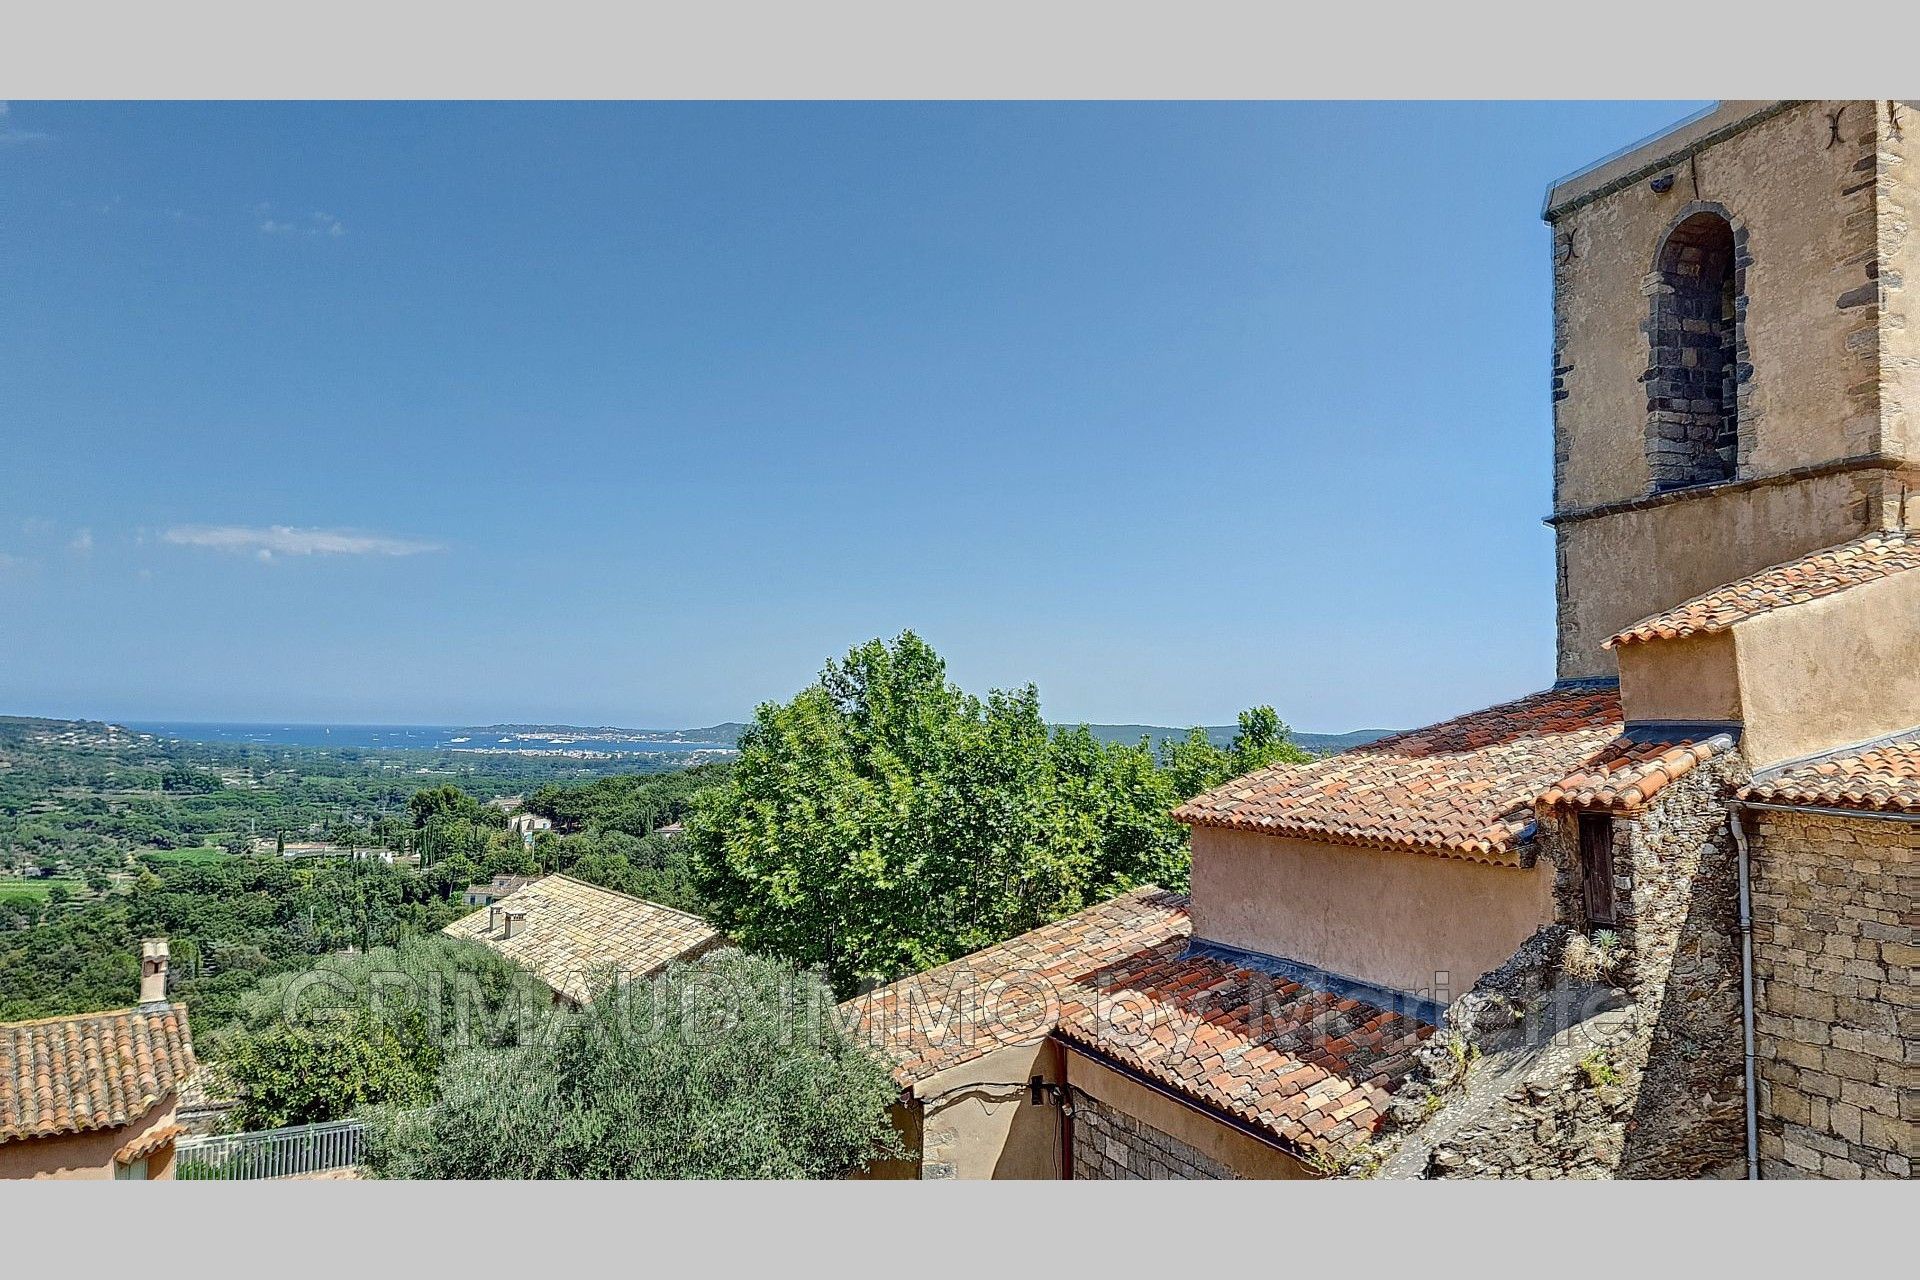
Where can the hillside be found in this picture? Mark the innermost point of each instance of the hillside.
(729, 733)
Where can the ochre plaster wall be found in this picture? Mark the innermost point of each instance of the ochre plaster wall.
(1831, 672)
(88, 1156)
(1392, 919)
(1618, 569)
(976, 1120)
(1691, 679)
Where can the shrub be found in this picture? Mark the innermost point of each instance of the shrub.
(732, 1067)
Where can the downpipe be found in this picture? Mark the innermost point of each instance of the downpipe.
(1737, 820)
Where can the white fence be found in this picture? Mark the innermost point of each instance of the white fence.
(273, 1153)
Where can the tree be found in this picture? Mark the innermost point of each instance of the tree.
(731, 1067)
(444, 801)
(885, 821)
(353, 1031)
(1195, 764)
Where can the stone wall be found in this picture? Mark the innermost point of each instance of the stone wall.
(1576, 1061)
(1835, 1010)
(1679, 905)
(1110, 1145)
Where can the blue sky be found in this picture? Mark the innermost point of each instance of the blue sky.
(634, 414)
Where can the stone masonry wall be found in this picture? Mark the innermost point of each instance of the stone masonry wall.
(1110, 1145)
(1649, 1083)
(1837, 1021)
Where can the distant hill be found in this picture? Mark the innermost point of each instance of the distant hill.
(729, 733)
(1320, 744)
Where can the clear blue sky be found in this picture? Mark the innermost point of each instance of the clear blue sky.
(634, 414)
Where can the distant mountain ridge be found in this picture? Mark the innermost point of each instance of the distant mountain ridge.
(728, 733)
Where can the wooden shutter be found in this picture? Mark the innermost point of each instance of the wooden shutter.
(1596, 867)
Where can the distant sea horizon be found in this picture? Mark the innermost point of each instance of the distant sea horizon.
(409, 737)
(601, 740)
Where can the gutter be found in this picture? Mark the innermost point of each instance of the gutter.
(1828, 811)
(1739, 826)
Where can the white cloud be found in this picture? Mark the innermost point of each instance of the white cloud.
(314, 224)
(280, 539)
(81, 543)
(10, 136)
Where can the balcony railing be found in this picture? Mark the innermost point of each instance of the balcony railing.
(300, 1151)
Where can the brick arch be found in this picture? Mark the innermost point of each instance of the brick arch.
(1697, 367)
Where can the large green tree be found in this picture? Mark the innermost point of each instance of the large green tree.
(732, 1067)
(884, 820)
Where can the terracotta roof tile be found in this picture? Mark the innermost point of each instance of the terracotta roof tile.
(1312, 1068)
(1628, 772)
(1465, 787)
(1822, 573)
(148, 1143)
(577, 936)
(1008, 993)
(1882, 777)
(91, 1071)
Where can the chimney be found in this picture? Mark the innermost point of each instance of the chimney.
(516, 920)
(153, 971)
(493, 917)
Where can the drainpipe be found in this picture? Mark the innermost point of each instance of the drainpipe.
(1066, 1113)
(1737, 820)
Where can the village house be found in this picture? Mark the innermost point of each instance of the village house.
(527, 826)
(481, 895)
(95, 1095)
(579, 938)
(1707, 829)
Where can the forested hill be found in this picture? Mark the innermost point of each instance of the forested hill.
(729, 733)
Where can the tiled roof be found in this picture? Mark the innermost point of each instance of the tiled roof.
(92, 1071)
(148, 1143)
(1464, 788)
(1627, 772)
(1822, 573)
(1882, 777)
(1008, 993)
(1312, 1068)
(578, 937)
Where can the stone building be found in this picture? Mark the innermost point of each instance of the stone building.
(1655, 921)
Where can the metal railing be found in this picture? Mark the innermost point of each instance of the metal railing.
(273, 1153)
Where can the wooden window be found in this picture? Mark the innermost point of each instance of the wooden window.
(1596, 867)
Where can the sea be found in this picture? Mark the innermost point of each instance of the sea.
(413, 737)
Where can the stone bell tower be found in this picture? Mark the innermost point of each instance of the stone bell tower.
(1736, 375)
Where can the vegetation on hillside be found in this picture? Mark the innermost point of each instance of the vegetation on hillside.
(732, 1067)
(359, 1029)
(881, 822)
